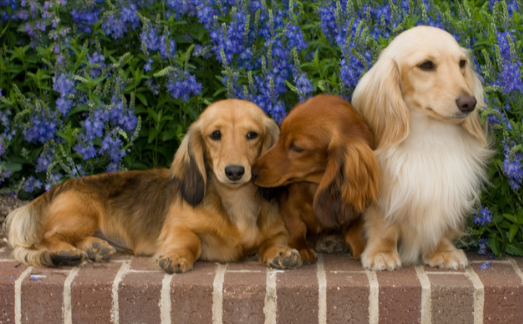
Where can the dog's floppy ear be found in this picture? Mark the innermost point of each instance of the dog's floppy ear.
(188, 168)
(350, 183)
(472, 124)
(379, 100)
(272, 132)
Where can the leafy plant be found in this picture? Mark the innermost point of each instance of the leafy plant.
(92, 86)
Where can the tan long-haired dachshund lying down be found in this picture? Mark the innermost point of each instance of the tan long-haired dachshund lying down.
(204, 208)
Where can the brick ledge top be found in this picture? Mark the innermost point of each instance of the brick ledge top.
(335, 290)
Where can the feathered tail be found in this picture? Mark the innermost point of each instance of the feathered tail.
(23, 228)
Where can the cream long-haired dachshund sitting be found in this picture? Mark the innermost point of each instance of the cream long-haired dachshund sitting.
(422, 98)
(204, 208)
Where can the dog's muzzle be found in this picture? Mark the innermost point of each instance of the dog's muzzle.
(466, 104)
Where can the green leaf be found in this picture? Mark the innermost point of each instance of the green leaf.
(514, 249)
(512, 232)
(510, 217)
(78, 109)
(153, 133)
(13, 167)
(494, 245)
(142, 98)
(153, 114)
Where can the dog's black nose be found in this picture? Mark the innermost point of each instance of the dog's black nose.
(466, 104)
(234, 172)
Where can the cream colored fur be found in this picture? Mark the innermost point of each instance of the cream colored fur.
(432, 155)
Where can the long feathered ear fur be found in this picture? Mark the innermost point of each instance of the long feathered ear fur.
(472, 124)
(378, 99)
(350, 183)
(188, 168)
(272, 133)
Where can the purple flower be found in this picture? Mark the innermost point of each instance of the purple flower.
(510, 77)
(483, 217)
(147, 66)
(183, 85)
(44, 160)
(304, 86)
(484, 266)
(483, 244)
(31, 184)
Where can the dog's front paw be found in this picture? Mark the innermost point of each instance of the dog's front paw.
(174, 264)
(453, 259)
(284, 258)
(308, 256)
(381, 260)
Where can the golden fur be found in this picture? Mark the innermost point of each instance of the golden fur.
(431, 148)
(197, 210)
(324, 156)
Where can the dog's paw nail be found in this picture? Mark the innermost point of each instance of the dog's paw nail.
(104, 250)
(169, 269)
(90, 254)
(287, 261)
(296, 263)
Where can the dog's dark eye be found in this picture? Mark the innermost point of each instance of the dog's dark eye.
(216, 135)
(462, 63)
(427, 66)
(252, 135)
(296, 148)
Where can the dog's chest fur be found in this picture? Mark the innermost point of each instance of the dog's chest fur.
(236, 232)
(243, 207)
(431, 180)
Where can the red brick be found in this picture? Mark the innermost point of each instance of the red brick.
(503, 293)
(139, 296)
(42, 299)
(473, 256)
(347, 297)
(5, 253)
(297, 295)
(144, 263)
(400, 296)
(430, 269)
(519, 263)
(191, 294)
(347, 289)
(341, 262)
(10, 271)
(119, 256)
(244, 293)
(91, 292)
(452, 298)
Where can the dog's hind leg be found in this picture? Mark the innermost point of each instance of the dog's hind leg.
(71, 220)
(62, 252)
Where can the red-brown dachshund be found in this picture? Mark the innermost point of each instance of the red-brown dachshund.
(324, 156)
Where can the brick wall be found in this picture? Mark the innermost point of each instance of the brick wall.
(335, 290)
